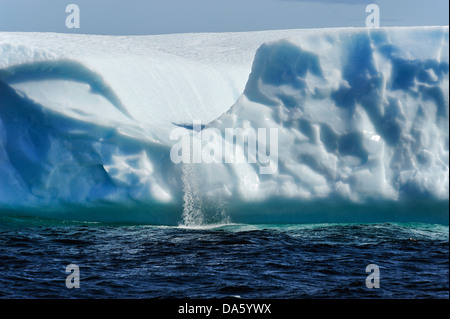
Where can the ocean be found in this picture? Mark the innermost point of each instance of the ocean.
(242, 261)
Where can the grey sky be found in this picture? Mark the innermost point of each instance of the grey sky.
(177, 16)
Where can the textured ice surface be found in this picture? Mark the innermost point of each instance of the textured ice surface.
(362, 119)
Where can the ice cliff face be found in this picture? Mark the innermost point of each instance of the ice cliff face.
(361, 116)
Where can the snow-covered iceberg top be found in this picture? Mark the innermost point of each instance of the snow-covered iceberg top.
(361, 116)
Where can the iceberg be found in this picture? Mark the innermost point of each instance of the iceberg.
(361, 117)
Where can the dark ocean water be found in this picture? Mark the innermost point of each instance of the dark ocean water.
(222, 261)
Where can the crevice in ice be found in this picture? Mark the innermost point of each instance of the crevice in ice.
(64, 70)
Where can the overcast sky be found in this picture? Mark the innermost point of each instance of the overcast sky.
(133, 17)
